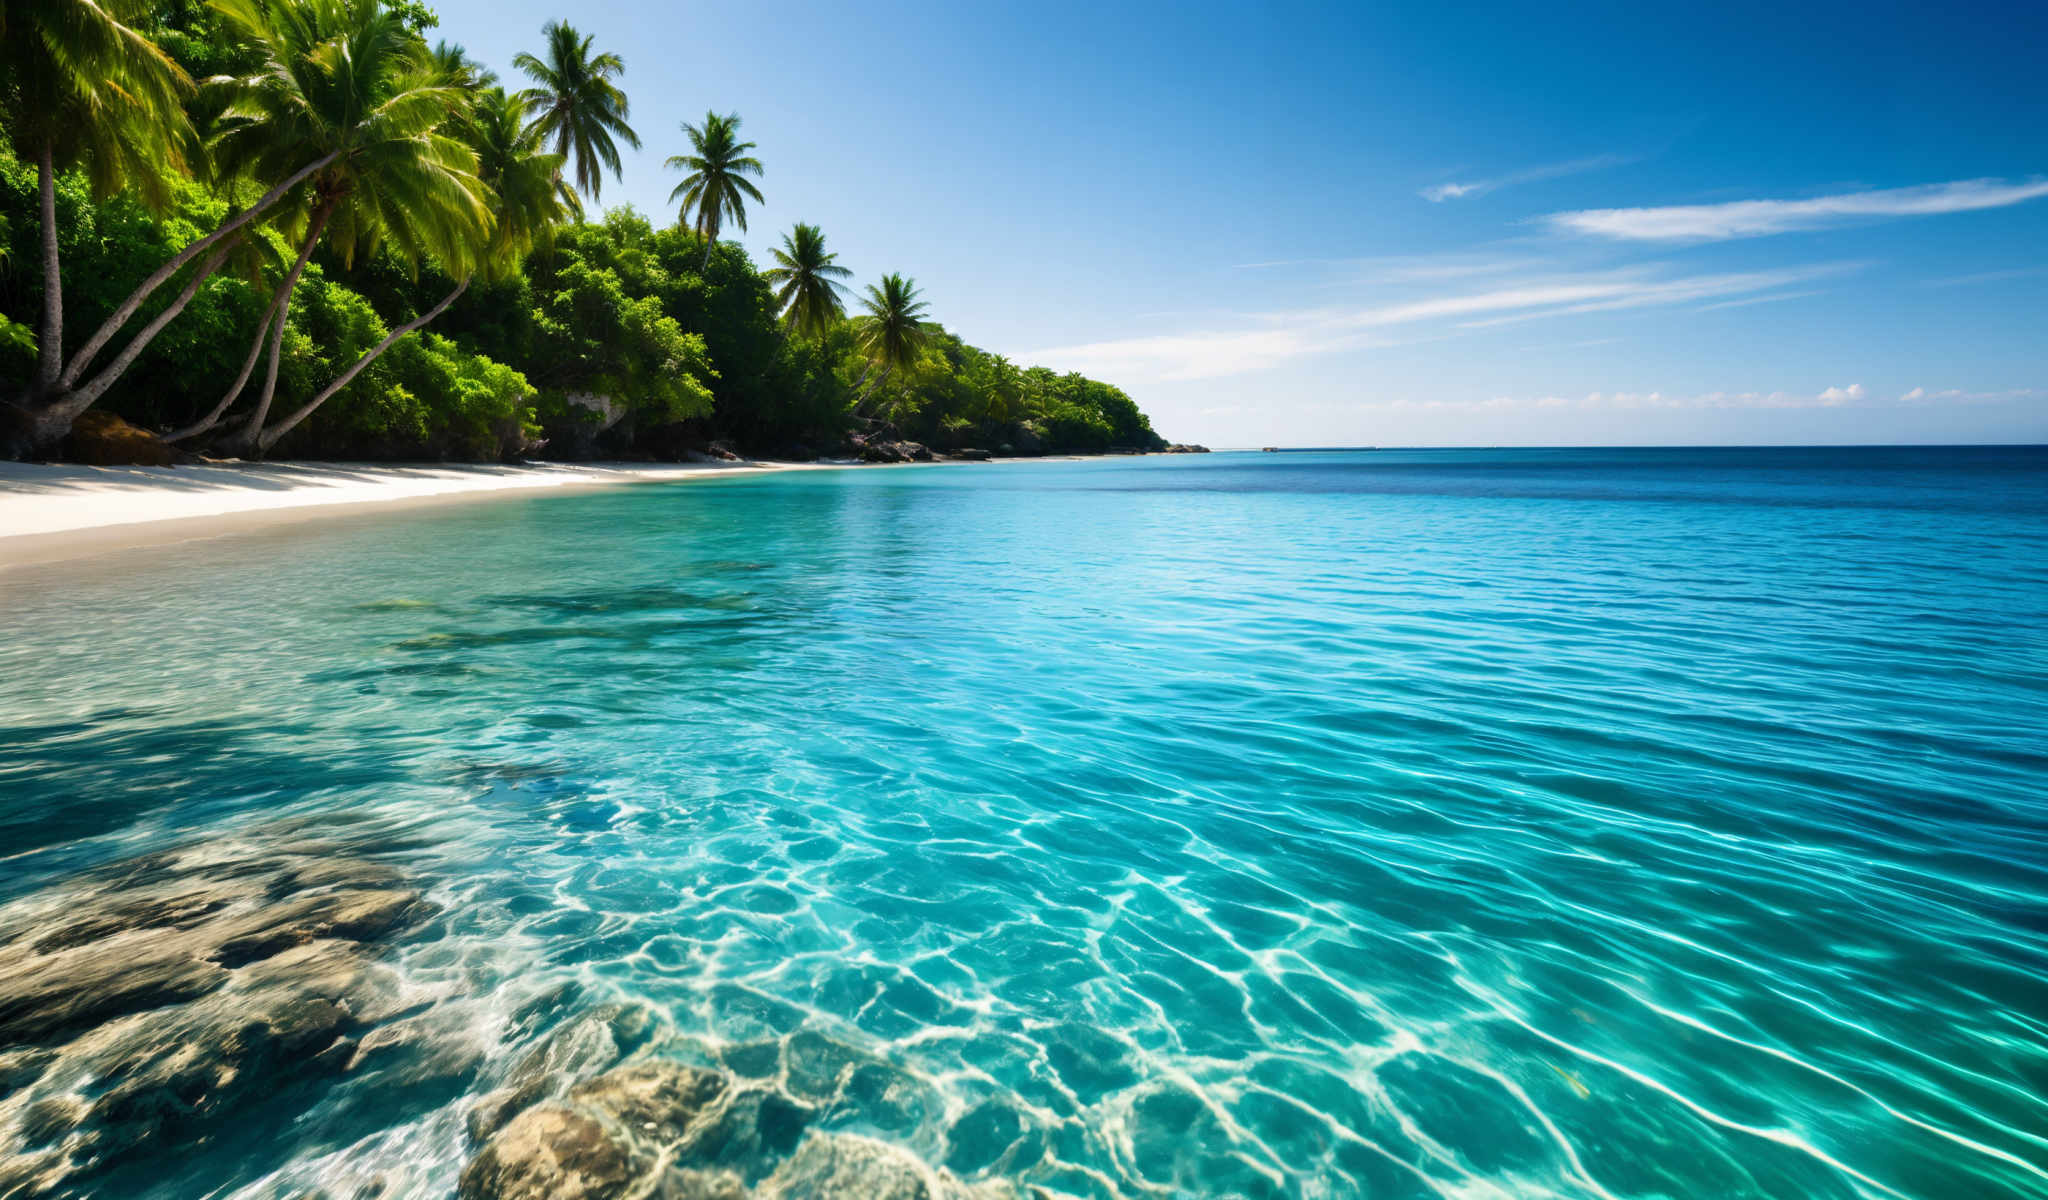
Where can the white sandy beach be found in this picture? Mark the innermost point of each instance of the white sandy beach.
(59, 511)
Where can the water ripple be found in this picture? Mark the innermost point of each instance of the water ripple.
(1451, 824)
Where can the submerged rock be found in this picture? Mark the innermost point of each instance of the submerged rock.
(581, 1046)
(751, 1133)
(499, 1107)
(551, 1153)
(143, 1003)
(659, 1127)
(653, 1127)
(814, 1065)
(654, 1101)
(843, 1166)
(983, 1137)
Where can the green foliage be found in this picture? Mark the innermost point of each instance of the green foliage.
(348, 79)
(80, 83)
(610, 337)
(430, 397)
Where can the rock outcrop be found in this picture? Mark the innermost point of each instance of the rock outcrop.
(100, 439)
(879, 451)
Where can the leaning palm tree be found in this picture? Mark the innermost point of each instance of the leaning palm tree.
(80, 88)
(717, 186)
(527, 199)
(890, 330)
(578, 104)
(804, 277)
(345, 83)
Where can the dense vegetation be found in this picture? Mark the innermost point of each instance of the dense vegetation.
(295, 227)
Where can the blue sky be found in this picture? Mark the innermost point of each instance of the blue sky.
(1417, 224)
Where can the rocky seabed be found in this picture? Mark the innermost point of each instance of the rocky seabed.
(162, 1004)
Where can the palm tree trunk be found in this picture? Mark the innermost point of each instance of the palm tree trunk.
(127, 308)
(871, 389)
(234, 391)
(50, 343)
(54, 421)
(268, 438)
(254, 429)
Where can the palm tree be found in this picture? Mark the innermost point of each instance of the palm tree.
(82, 89)
(455, 64)
(581, 107)
(890, 330)
(527, 199)
(717, 185)
(803, 276)
(346, 84)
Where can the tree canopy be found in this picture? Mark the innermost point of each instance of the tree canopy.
(398, 242)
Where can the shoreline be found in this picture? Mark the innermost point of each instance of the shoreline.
(53, 512)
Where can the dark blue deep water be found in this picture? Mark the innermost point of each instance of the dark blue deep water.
(1613, 823)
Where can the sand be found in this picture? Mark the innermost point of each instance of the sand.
(53, 511)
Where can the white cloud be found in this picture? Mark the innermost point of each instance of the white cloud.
(1198, 355)
(1921, 395)
(1756, 218)
(1478, 187)
(1263, 341)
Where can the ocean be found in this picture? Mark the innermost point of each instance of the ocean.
(1460, 823)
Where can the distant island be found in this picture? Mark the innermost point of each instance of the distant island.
(219, 240)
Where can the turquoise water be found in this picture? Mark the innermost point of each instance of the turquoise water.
(1463, 824)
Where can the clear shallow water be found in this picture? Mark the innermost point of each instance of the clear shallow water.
(1573, 823)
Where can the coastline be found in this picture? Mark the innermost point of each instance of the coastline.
(51, 512)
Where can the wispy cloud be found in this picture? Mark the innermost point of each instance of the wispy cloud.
(1263, 341)
(1401, 268)
(1479, 187)
(1746, 301)
(1853, 395)
(1625, 401)
(1921, 395)
(1988, 277)
(1203, 355)
(1632, 291)
(1286, 262)
(1582, 344)
(1757, 218)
